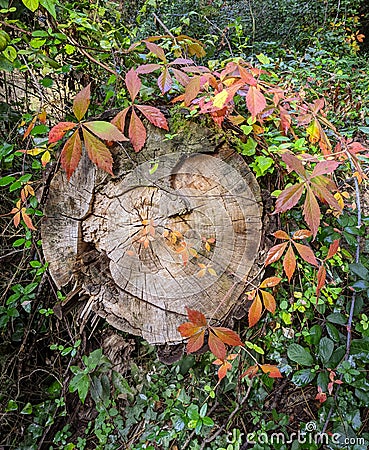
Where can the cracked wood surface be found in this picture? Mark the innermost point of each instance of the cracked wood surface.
(136, 242)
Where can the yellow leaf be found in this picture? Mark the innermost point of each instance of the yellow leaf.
(45, 158)
(220, 99)
(212, 271)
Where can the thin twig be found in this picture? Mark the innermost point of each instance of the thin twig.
(165, 28)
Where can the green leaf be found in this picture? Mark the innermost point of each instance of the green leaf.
(94, 359)
(11, 406)
(333, 332)
(299, 354)
(303, 377)
(80, 383)
(32, 5)
(323, 380)
(248, 149)
(314, 335)
(326, 347)
(364, 130)
(193, 412)
(337, 318)
(359, 270)
(10, 53)
(19, 242)
(4, 181)
(208, 421)
(37, 42)
(49, 5)
(27, 409)
(203, 410)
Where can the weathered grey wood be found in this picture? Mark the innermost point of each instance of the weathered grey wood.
(96, 226)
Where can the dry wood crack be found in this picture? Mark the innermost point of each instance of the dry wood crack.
(147, 243)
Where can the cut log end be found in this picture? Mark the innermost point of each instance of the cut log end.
(179, 225)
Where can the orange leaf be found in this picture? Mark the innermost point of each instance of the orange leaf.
(58, 131)
(165, 81)
(81, 102)
(216, 346)
(98, 152)
(286, 119)
(271, 370)
(133, 83)
(255, 101)
(289, 197)
(156, 50)
(137, 132)
(302, 234)
(71, 154)
(255, 311)
(333, 248)
(195, 342)
(189, 329)
(42, 116)
(196, 317)
(120, 119)
(153, 115)
(227, 336)
(269, 301)
(27, 220)
(105, 130)
(223, 369)
(306, 253)
(251, 372)
(275, 253)
(270, 282)
(29, 128)
(321, 277)
(192, 89)
(311, 211)
(281, 235)
(289, 262)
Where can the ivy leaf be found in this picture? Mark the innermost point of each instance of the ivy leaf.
(136, 132)
(58, 131)
(154, 115)
(255, 101)
(133, 83)
(71, 154)
(98, 152)
(81, 102)
(289, 262)
(255, 311)
(49, 5)
(105, 130)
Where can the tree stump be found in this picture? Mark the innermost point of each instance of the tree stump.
(178, 225)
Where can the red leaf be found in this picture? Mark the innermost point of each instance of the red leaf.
(154, 115)
(195, 342)
(216, 346)
(120, 119)
(247, 77)
(192, 89)
(333, 248)
(285, 119)
(306, 253)
(289, 263)
(196, 317)
(255, 311)
(294, 163)
(81, 102)
(223, 369)
(189, 329)
(273, 371)
(71, 154)
(269, 301)
(324, 167)
(105, 130)
(98, 152)
(321, 277)
(255, 101)
(275, 253)
(58, 131)
(311, 211)
(322, 187)
(227, 336)
(133, 83)
(147, 68)
(165, 81)
(181, 77)
(289, 197)
(302, 234)
(270, 282)
(317, 105)
(156, 50)
(181, 61)
(137, 132)
(281, 235)
(251, 372)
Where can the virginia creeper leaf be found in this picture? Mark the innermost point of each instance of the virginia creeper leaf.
(165, 81)
(333, 248)
(120, 119)
(289, 262)
(250, 372)
(105, 130)
(223, 369)
(189, 329)
(216, 346)
(192, 89)
(294, 163)
(181, 77)
(81, 102)
(220, 99)
(280, 234)
(269, 301)
(270, 282)
(147, 68)
(196, 317)
(286, 119)
(227, 336)
(275, 253)
(154, 115)
(195, 342)
(255, 311)
(71, 154)
(289, 197)
(302, 234)
(321, 278)
(58, 131)
(98, 152)
(255, 101)
(311, 211)
(136, 131)
(324, 167)
(133, 83)
(156, 50)
(271, 370)
(306, 253)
